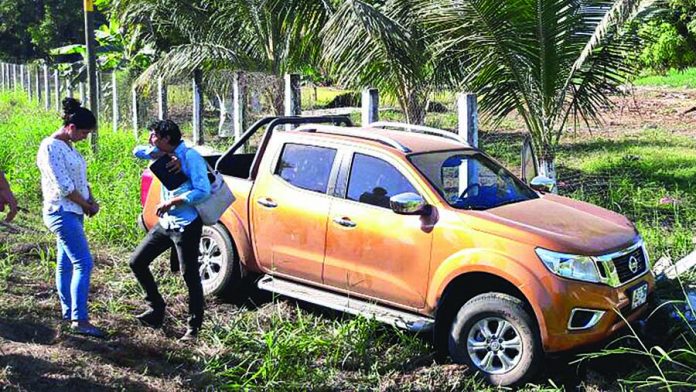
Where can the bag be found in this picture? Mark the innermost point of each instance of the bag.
(211, 209)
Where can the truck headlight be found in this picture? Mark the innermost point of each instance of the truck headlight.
(570, 266)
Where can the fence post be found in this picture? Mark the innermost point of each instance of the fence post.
(467, 118)
(467, 126)
(69, 85)
(162, 109)
(197, 108)
(14, 76)
(239, 94)
(37, 83)
(83, 93)
(30, 89)
(115, 115)
(134, 111)
(47, 89)
(56, 82)
(370, 106)
(2, 75)
(293, 95)
(99, 92)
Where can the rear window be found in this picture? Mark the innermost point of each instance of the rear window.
(306, 167)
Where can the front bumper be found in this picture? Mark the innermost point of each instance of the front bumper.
(615, 302)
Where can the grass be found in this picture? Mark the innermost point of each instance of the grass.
(673, 79)
(272, 344)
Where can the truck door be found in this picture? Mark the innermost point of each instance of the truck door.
(289, 208)
(371, 250)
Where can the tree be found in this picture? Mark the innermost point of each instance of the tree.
(270, 36)
(669, 36)
(551, 61)
(383, 44)
(29, 29)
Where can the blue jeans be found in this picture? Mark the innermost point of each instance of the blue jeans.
(74, 264)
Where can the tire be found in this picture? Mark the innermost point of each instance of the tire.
(219, 264)
(503, 359)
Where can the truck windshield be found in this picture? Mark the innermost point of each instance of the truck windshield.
(470, 180)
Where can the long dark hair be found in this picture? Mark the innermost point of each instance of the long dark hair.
(74, 113)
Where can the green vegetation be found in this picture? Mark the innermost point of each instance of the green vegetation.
(273, 344)
(673, 78)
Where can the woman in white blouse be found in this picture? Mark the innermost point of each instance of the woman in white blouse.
(67, 198)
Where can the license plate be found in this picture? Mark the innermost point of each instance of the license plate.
(639, 295)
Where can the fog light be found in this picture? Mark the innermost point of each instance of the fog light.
(584, 318)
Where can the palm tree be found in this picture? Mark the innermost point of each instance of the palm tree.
(383, 44)
(551, 61)
(269, 36)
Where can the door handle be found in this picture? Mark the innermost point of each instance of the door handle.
(266, 202)
(345, 222)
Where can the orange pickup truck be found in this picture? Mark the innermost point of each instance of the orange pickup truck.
(412, 226)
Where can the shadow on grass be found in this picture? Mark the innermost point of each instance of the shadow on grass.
(32, 374)
(27, 331)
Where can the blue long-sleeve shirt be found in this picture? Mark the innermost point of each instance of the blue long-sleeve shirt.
(195, 190)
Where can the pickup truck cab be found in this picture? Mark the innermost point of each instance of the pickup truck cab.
(412, 226)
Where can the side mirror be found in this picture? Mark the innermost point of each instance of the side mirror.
(408, 204)
(542, 184)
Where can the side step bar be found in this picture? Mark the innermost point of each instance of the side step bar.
(343, 303)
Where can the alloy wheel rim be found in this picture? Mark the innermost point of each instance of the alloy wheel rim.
(494, 345)
(209, 259)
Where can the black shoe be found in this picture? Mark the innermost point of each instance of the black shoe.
(190, 336)
(151, 318)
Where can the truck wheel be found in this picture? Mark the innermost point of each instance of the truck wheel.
(495, 335)
(219, 265)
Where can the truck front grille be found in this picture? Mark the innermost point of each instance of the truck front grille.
(624, 263)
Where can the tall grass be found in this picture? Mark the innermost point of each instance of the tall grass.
(113, 173)
(651, 178)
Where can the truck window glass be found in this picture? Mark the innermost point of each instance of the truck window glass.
(469, 180)
(306, 167)
(374, 181)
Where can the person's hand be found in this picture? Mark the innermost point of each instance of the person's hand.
(93, 207)
(164, 207)
(174, 165)
(157, 154)
(7, 198)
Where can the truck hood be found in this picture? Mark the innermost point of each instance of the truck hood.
(562, 224)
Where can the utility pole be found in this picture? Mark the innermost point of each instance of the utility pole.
(91, 65)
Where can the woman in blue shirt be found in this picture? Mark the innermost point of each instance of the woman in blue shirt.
(179, 226)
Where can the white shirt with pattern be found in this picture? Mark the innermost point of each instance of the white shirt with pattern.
(63, 170)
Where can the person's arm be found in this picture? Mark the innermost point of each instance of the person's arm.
(151, 152)
(7, 198)
(198, 171)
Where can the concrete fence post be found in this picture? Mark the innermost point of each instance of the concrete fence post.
(37, 83)
(30, 90)
(197, 108)
(115, 115)
(100, 98)
(83, 92)
(14, 76)
(370, 106)
(239, 98)
(47, 88)
(135, 111)
(467, 127)
(467, 117)
(162, 100)
(293, 95)
(56, 83)
(69, 85)
(21, 77)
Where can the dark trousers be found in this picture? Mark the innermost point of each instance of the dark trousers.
(186, 244)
